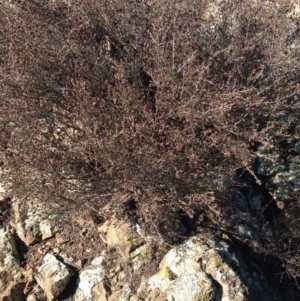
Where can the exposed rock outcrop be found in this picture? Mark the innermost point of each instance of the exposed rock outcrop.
(202, 269)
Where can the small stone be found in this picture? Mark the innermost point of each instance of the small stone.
(111, 274)
(114, 281)
(101, 290)
(65, 258)
(225, 236)
(90, 222)
(280, 204)
(245, 231)
(56, 250)
(297, 147)
(255, 203)
(2, 191)
(79, 264)
(124, 294)
(46, 230)
(118, 268)
(122, 276)
(61, 239)
(41, 250)
(31, 298)
(240, 200)
(80, 221)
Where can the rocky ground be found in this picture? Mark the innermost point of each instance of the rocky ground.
(84, 257)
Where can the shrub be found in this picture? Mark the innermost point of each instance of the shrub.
(158, 98)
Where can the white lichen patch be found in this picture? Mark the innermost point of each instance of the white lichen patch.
(46, 229)
(189, 272)
(90, 278)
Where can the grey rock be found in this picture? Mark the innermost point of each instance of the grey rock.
(297, 147)
(245, 232)
(32, 221)
(240, 201)
(283, 175)
(11, 285)
(270, 166)
(201, 269)
(9, 260)
(255, 203)
(91, 282)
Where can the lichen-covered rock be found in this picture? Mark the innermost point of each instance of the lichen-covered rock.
(281, 168)
(284, 176)
(11, 285)
(127, 239)
(46, 229)
(180, 277)
(53, 277)
(202, 270)
(212, 11)
(278, 158)
(123, 294)
(32, 221)
(92, 282)
(9, 259)
(245, 232)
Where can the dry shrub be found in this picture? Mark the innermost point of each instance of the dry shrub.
(153, 97)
